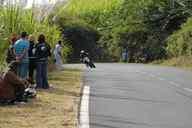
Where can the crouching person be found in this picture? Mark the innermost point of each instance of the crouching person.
(11, 88)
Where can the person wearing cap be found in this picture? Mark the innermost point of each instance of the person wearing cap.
(21, 47)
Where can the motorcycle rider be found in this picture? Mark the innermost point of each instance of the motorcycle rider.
(86, 59)
(83, 55)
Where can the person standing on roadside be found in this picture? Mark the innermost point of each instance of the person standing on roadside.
(32, 58)
(58, 55)
(42, 52)
(21, 47)
(10, 55)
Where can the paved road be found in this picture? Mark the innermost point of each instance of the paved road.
(139, 96)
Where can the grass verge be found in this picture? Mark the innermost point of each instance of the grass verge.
(53, 108)
(184, 62)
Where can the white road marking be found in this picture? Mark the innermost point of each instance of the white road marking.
(84, 110)
(188, 89)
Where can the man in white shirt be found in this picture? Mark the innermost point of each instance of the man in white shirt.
(58, 55)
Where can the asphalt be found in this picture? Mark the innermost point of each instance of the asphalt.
(139, 96)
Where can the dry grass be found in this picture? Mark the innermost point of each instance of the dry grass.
(53, 108)
(181, 62)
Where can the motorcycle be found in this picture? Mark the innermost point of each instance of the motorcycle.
(88, 62)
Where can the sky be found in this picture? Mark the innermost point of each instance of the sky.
(40, 2)
(29, 3)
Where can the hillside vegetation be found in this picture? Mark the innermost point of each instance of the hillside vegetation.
(149, 29)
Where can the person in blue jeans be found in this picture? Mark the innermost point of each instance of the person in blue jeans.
(42, 52)
(21, 47)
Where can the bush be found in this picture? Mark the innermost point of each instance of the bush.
(180, 43)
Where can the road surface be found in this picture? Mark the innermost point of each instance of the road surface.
(138, 96)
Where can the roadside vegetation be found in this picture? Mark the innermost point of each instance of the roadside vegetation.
(150, 29)
(53, 108)
(15, 19)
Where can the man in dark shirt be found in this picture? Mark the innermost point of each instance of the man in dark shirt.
(32, 58)
(42, 52)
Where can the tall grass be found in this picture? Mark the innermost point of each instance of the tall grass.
(77, 7)
(15, 19)
(180, 42)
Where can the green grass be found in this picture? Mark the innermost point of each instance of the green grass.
(53, 108)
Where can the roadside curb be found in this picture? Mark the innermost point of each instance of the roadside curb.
(83, 108)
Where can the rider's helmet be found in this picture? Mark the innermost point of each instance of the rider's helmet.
(82, 51)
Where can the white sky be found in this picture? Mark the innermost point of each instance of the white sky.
(40, 2)
(29, 3)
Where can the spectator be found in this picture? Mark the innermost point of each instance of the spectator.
(58, 55)
(32, 64)
(10, 55)
(21, 50)
(42, 52)
(125, 55)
